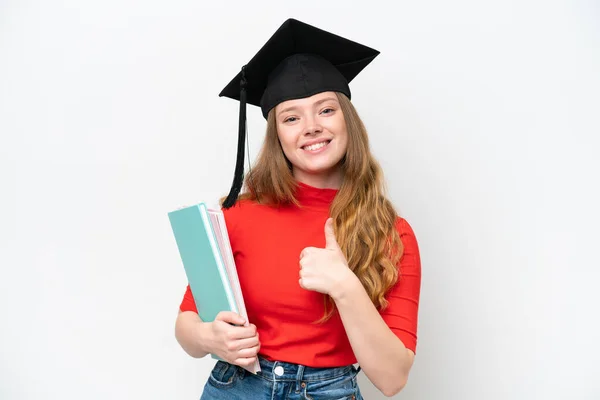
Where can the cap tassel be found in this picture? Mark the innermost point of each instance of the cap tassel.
(238, 179)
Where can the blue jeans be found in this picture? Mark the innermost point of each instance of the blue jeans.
(281, 380)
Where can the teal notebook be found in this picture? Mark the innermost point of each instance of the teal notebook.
(203, 243)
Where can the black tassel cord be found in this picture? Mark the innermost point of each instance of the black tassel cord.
(238, 179)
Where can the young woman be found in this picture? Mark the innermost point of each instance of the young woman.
(330, 273)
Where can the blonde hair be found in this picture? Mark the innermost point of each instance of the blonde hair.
(364, 219)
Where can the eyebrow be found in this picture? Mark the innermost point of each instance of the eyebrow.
(315, 104)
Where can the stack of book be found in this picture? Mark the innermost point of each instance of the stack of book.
(203, 243)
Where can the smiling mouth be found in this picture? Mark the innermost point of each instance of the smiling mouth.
(316, 146)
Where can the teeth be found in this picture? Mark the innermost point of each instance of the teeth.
(315, 146)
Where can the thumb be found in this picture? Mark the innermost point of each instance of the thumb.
(330, 240)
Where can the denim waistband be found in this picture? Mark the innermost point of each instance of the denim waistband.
(285, 371)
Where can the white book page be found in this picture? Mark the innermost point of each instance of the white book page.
(220, 228)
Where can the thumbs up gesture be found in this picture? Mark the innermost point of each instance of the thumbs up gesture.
(325, 270)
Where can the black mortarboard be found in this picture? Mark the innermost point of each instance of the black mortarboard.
(298, 61)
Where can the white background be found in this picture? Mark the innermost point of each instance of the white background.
(485, 116)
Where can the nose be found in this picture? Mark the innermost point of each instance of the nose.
(312, 127)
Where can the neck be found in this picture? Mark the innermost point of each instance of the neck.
(331, 180)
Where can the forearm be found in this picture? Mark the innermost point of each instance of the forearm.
(192, 334)
(381, 355)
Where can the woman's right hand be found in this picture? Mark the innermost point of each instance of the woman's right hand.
(237, 345)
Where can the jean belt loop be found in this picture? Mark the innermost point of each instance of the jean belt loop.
(299, 377)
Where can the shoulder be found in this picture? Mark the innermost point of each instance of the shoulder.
(239, 208)
(404, 229)
(233, 216)
(403, 226)
(239, 211)
(245, 212)
(408, 238)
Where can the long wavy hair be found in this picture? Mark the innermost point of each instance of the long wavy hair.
(364, 218)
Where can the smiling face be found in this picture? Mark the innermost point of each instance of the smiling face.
(312, 132)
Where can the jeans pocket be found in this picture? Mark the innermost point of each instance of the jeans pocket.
(340, 388)
(223, 374)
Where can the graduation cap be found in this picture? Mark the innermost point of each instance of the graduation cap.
(298, 61)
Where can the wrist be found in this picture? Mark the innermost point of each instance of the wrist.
(204, 338)
(344, 288)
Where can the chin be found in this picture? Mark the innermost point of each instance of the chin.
(319, 169)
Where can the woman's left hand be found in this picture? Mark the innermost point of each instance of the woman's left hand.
(325, 270)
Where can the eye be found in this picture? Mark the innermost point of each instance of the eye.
(327, 111)
(290, 119)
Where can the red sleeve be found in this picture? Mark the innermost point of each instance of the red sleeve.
(402, 312)
(188, 303)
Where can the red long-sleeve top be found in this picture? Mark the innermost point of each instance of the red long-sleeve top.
(266, 244)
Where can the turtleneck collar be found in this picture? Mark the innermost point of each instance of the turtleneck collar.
(310, 196)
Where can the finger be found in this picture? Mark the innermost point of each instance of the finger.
(248, 352)
(242, 332)
(302, 263)
(230, 317)
(245, 362)
(240, 344)
(330, 240)
(301, 282)
(306, 251)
